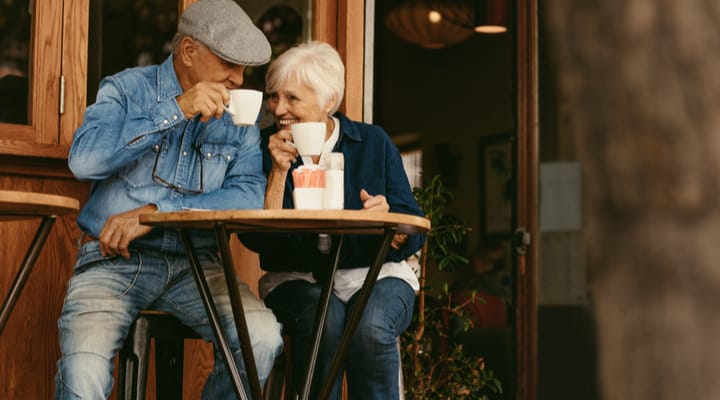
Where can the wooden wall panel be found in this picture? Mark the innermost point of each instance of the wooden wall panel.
(29, 343)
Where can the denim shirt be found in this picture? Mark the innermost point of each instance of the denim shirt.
(136, 124)
(373, 163)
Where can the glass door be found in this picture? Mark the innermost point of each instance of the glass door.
(14, 57)
(30, 70)
(42, 76)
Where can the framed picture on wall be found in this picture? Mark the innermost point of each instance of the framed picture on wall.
(497, 190)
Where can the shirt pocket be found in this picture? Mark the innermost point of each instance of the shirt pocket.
(138, 174)
(217, 159)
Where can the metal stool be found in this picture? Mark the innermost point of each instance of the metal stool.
(279, 385)
(169, 335)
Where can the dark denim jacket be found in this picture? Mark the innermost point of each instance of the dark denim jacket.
(373, 163)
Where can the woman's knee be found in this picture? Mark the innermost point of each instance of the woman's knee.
(386, 315)
(373, 333)
(296, 304)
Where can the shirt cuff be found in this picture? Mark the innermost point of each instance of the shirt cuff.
(168, 115)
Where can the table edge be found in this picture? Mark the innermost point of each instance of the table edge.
(190, 217)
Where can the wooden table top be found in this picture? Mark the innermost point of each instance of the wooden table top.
(15, 203)
(328, 221)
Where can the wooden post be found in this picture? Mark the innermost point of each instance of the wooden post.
(642, 84)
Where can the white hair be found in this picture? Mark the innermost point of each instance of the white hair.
(315, 64)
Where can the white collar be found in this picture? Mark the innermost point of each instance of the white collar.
(330, 143)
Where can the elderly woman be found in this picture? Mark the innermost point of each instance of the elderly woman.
(306, 83)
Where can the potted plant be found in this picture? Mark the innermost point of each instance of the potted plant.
(434, 368)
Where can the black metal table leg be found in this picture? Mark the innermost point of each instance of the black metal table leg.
(25, 268)
(206, 297)
(238, 310)
(320, 321)
(356, 314)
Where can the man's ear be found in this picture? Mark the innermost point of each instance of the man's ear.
(187, 50)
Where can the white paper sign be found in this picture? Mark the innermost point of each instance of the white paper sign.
(560, 200)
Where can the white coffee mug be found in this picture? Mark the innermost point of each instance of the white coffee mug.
(308, 137)
(244, 106)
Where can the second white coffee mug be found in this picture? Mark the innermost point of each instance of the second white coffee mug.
(308, 137)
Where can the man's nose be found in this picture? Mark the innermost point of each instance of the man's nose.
(236, 76)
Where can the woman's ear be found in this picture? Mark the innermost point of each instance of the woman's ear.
(330, 104)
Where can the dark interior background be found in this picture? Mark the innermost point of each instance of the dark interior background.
(454, 98)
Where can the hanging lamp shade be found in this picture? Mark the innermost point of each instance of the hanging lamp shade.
(428, 23)
(490, 16)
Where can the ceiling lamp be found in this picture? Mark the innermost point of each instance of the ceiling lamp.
(490, 16)
(424, 23)
(435, 24)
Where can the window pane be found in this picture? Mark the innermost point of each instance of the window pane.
(412, 162)
(14, 45)
(114, 46)
(283, 26)
(128, 33)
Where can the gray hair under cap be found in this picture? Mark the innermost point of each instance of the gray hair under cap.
(226, 30)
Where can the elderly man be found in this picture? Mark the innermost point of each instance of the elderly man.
(158, 139)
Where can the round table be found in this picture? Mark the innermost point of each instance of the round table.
(334, 222)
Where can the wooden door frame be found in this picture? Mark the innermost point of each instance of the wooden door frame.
(342, 24)
(526, 76)
(58, 54)
(74, 67)
(39, 137)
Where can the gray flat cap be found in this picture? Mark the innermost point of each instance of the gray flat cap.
(227, 30)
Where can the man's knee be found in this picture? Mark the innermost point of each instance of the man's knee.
(84, 376)
(264, 329)
(265, 338)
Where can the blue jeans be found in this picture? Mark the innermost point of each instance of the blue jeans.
(372, 363)
(105, 295)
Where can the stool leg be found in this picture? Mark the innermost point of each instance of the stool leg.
(274, 385)
(169, 356)
(289, 372)
(125, 364)
(132, 377)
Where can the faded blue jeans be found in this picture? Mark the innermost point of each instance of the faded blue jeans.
(372, 363)
(105, 295)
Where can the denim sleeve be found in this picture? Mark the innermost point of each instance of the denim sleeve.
(116, 130)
